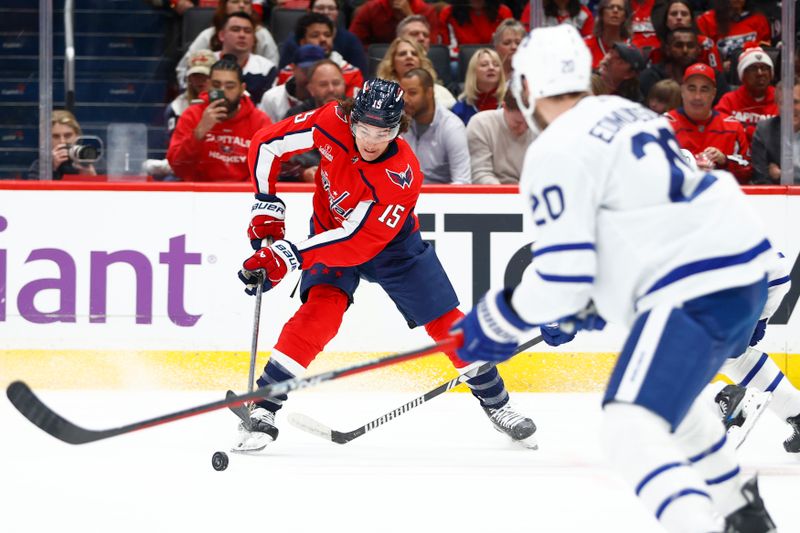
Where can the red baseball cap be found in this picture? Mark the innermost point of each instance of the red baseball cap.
(700, 69)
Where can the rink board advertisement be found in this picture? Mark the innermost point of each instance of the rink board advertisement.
(104, 288)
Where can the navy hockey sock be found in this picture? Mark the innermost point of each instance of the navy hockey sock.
(274, 372)
(489, 389)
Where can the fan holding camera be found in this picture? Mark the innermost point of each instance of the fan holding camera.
(72, 152)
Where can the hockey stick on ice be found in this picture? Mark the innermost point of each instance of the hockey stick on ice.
(309, 425)
(32, 408)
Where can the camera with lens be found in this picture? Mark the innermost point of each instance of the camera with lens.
(86, 149)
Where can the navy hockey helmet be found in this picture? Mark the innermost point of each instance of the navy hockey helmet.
(379, 103)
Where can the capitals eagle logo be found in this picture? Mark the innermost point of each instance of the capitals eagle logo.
(401, 179)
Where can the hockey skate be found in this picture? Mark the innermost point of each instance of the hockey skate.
(792, 444)
(741, 408)
(256, 432)
(520, 428)
(753, 517)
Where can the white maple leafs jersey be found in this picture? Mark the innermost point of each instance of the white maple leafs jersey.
(623, 221)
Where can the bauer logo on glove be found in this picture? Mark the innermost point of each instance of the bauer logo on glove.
(269, 266)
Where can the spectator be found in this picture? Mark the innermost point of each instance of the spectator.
(404, 55)
(766, 147)
(211, 140)
(280, 98)
(471, 22)
(436, 135)
(64, 131)
(560, 11)
(325, 84)
(315, 28)
(376, 21)
(680, 50)
(715, 140)
(679, 14)
(643, 33)
(497, 141)
(612, 26)
(620, 71)
(208, 39)
(731, 24)
(415, 28)
(484, 85)
(506, 40)
(754, 100)
(237, 39)
(197, 82)
(664, 96)
(344, 41)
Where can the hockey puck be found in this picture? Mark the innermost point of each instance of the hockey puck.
(219, 461)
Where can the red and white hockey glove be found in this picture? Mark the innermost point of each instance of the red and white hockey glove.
(269, 265)
(266, 220)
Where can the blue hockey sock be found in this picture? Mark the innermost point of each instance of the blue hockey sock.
(275, 372)
(489, 389)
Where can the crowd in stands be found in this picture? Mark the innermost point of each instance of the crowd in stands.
(709, 65)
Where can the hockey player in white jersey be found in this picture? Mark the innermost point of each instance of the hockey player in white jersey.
(755, 375)
(628, 231)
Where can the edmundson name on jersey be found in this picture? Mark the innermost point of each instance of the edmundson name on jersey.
(607, 127)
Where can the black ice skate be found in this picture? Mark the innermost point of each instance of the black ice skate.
(729, 400)
(792, 444)
(753, 517)
(520, 428)
(257, 432)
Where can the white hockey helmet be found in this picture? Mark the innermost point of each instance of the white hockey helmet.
(553, 60)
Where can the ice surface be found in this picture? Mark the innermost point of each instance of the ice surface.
(439, 468)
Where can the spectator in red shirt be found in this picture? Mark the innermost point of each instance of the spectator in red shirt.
(506, 40)
(731, 24)
(754, 100)
(376, 20)
(679, 14)
(612, 26)
(644, 34)
(715, 140)
(211, 140)
(471, 22)
(561, 11)
(319, 30)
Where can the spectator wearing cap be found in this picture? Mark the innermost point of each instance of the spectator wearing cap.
(237, 38)
(766, 147)
(620, 71)
(754, 100)
(715, 140)
(437, 136)
(197, 82)
(679, 50)
(497, 141)
(278, 100)
(317, 29)
(375, 21)
(344, 41)
(212, 138)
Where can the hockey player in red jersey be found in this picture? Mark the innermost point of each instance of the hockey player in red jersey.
(363, 226)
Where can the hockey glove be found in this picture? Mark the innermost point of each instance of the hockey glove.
(554, 335)
(270, 265)
(588, 320)
(267, 220)
(758, 334)
(491, 330)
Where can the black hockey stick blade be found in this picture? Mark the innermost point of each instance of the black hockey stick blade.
(240, 411)
(310, 425)
(32, 408)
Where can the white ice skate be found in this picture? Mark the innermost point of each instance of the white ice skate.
(256, 433)
(753, 405)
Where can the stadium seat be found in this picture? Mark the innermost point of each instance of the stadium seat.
(282, 22)
(375, 53)
(439, 55)
(465, 53)
(194, 21)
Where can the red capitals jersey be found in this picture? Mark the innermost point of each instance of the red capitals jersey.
(583, 21)
(644, 34)
(359, 206)
(743, 107)
(751, 27)
(719, 131)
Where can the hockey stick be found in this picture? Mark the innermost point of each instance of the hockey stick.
(32, 408)
(309, 425)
